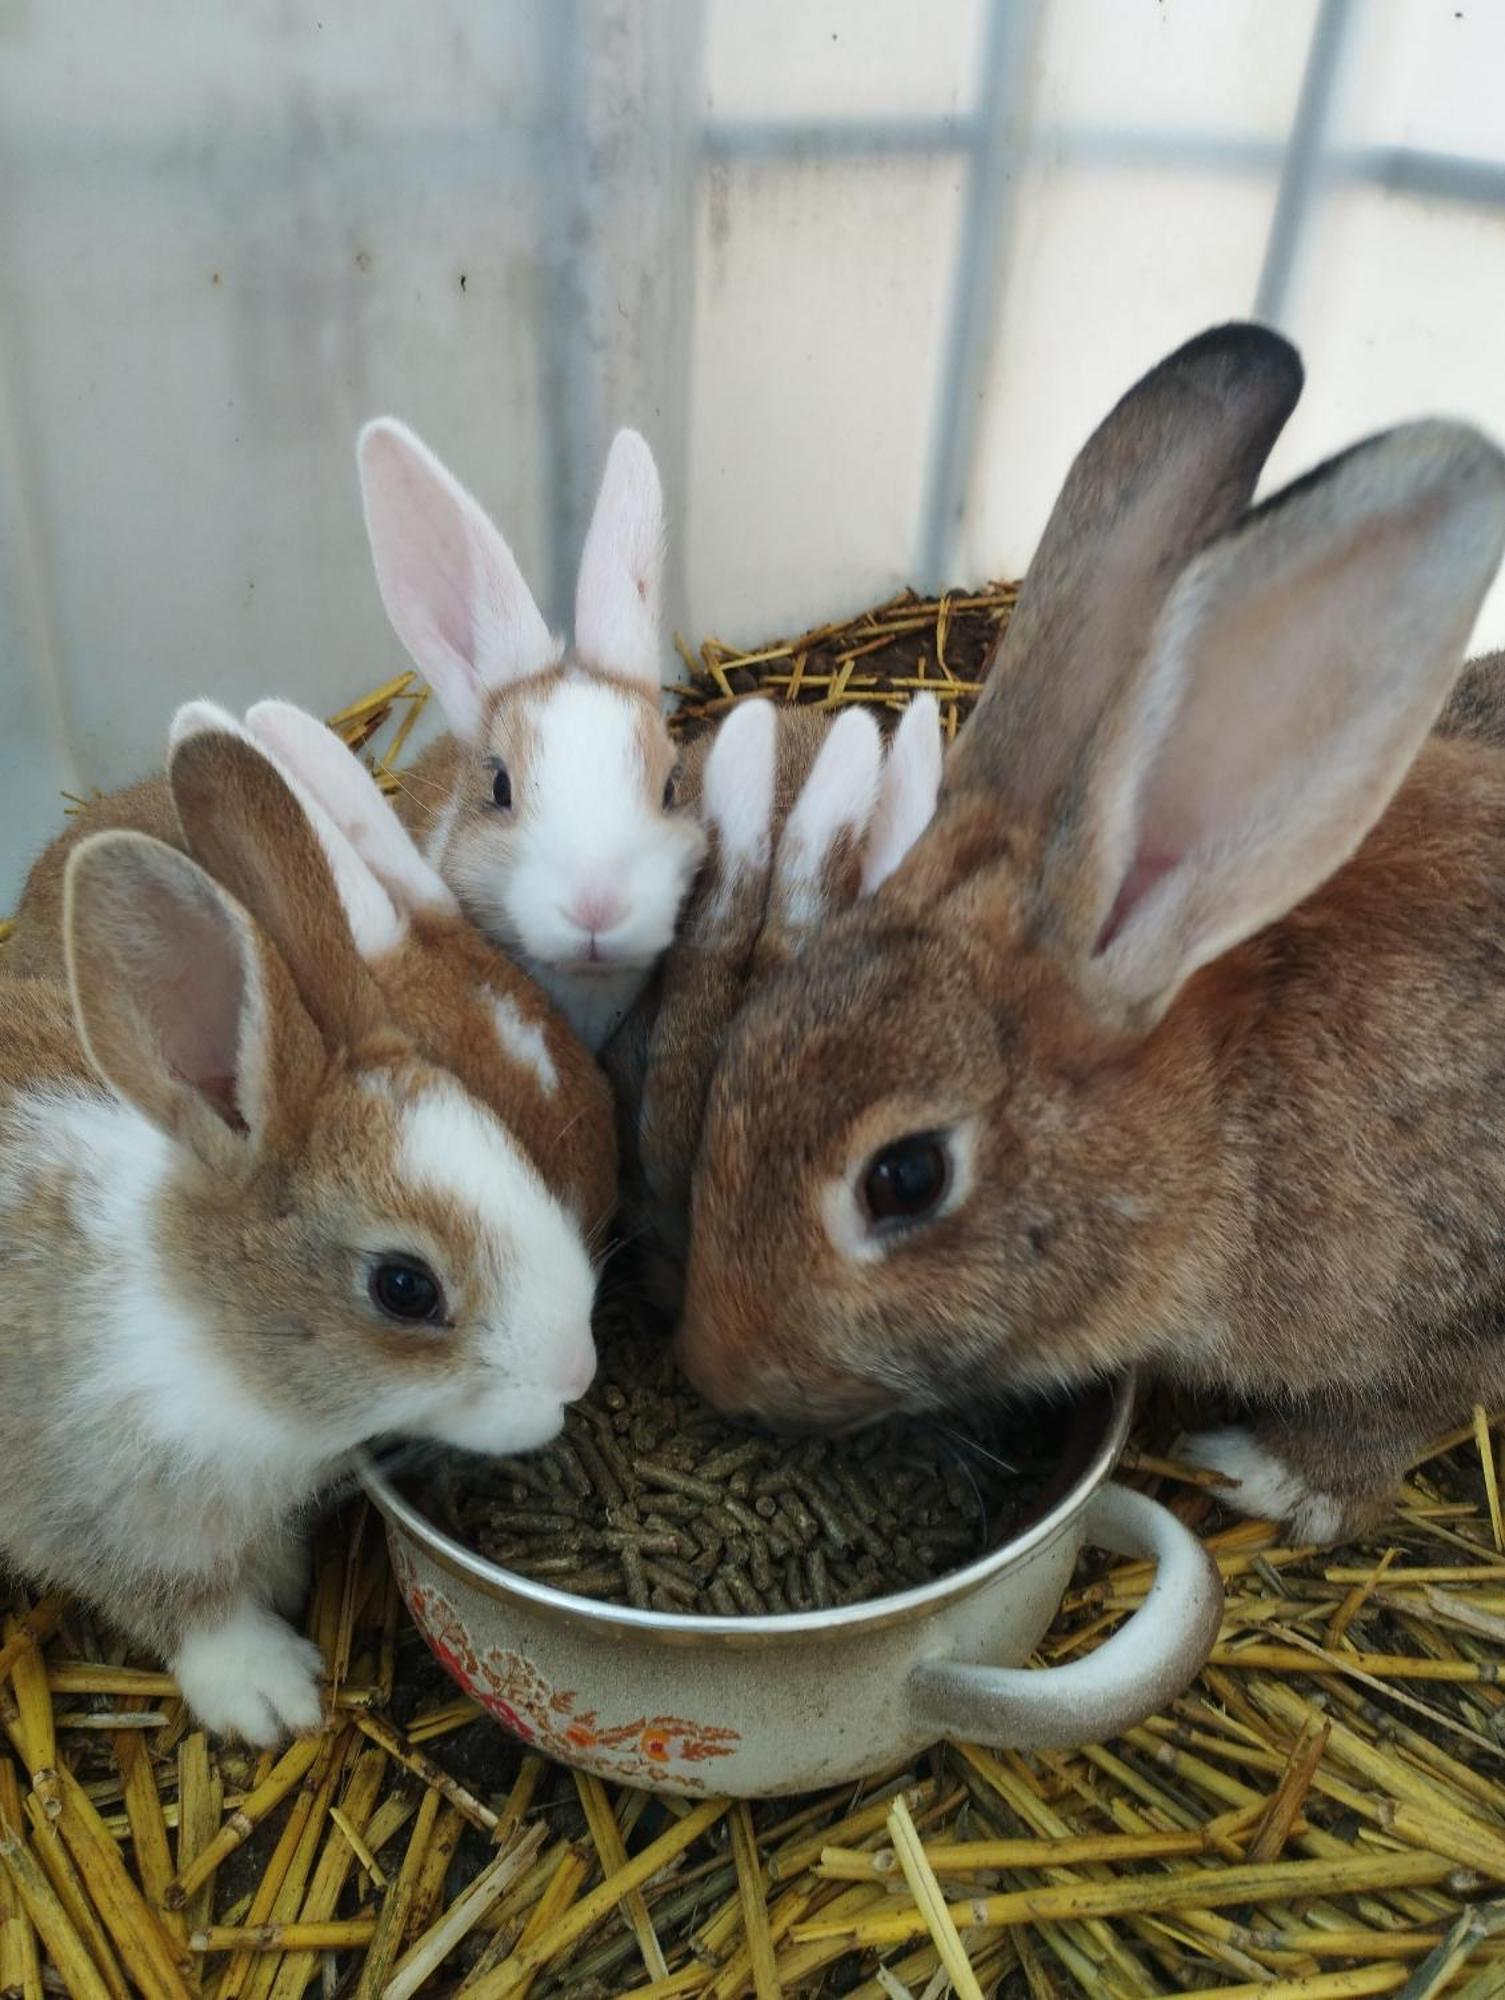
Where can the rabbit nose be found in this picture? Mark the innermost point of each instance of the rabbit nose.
(597, 910)
(579, 1373)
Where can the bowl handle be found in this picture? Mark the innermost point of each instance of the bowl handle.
(1146, 1663)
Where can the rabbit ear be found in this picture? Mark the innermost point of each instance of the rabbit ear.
(621, 570)
(331, 774)
(737, 795)
(370, 912)
(252, 830)
(452, 590)
(908, 791)
(1171, 466)
(195, 718)
(181, 1007)
(1288, 684)
(705, 975)
(817, 864)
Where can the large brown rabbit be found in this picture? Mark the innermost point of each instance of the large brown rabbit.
(1177, 1040)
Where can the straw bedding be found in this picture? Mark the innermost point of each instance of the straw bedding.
(1322, 1814)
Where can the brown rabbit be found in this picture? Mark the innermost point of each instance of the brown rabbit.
(801, 812)
(1175, 1040)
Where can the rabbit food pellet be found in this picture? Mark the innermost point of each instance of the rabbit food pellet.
(650, 1499)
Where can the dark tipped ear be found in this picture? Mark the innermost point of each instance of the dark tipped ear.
(1288, 684)
(182, 1007)
(1171, 466)
(242, 820)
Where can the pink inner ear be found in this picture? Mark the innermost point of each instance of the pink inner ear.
(1146, 871)
(194, 993)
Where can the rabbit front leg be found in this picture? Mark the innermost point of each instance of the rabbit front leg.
(246, 1673)
(1328, 1474)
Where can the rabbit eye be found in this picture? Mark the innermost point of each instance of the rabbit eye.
(405, 1289)
(907, 1180)
(501, 788)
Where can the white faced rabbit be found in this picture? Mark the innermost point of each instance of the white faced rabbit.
(245, 1226)
(550, 807)
(802, 814)
(1175, 1040)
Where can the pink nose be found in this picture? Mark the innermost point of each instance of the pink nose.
(597, 910)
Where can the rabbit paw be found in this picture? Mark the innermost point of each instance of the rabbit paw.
(251, 1676)
(1266, 1486)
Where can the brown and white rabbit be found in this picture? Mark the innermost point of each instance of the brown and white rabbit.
(550, 807)
(802, 813)
(245, 1226)
(1175, 1039)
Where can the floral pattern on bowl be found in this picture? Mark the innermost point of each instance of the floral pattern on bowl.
(508, 1686)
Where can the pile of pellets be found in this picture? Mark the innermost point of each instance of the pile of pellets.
(649, 1498)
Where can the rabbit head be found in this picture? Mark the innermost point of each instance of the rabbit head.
(560, 832)
(365, 1242)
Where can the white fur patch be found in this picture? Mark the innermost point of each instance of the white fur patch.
(537, 1351)
(847, 1226)
(252, 1676)
(437, 838)
(908, 791)
(838, 797)
(525, 1041)
(1267, 1488)
(737, 788)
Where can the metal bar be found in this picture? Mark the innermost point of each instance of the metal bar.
(566, 255)
(1304, 162)
(981, 262)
